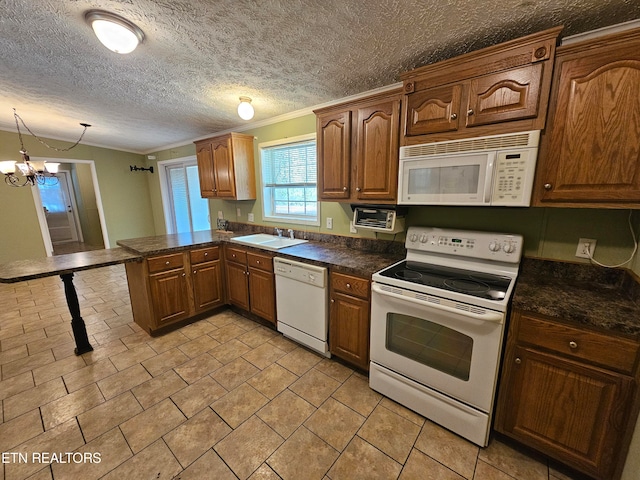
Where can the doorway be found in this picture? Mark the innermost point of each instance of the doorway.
(60, 210)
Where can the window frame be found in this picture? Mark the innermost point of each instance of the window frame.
(270, 216)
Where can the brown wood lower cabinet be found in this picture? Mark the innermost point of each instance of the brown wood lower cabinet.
(570, 393)
(250, 282)
(349, 319)
(167, 289)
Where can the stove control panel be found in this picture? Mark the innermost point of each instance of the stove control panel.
(490, 246)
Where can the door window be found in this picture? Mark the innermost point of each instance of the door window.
(189, 212)
(429, 343)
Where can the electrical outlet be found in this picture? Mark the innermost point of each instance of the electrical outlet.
(586, 247)
(250, 217)
(238, 212)
(352, 227)
(329, 223)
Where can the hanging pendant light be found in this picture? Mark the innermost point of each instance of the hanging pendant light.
(245, 109)
(115, 32)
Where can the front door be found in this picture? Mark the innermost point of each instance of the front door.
(58, 205)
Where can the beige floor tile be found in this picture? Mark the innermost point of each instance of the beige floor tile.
(248, 446)
(257, 336)
(420, 467)
(104, 351)
(299, 361)
(89, 374)
(198, 367)
(514, 462)
(244, 323)
(195, 436)
(362, 460)
(272, 380)
(390, 432)
(20, 429)
(335, 423)
(227, 332)
(14, 385)
(333, 369)
(158, 388)
(403, 411)
(356, 394)
(123, 381)
(484, 471)
(303, 455)
(69, 406)
(234, 373)
(136, 339)
(109, 336)
(49, 342)
(57, 369)
(315, 387)
(146, 427)
(448, 448)
(24, 339)
(8, 356)
(165, 361)
(263, 355)
(154, 462)
(102, 455)
(239, 404)
(222, 318)
(11, 332)
(283, 343)
(168, 341)
(64, 438)
(198, 329)
(286, 413)
(21, 365)
(107, 415)
(264, 473)
(198, 395)
(229, 351)
(133, 356)
(209, 465)
(44, 474)
(198, 346)
(35, 397)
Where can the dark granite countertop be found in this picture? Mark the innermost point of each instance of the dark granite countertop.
(346, 254)
(20, 270)
(587, 295)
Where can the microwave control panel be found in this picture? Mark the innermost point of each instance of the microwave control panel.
(513, 180)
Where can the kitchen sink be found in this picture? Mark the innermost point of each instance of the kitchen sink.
(266, 241)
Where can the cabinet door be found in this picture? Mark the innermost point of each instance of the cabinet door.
(505, 96)
(349, 329)
(207, 286)
(334, 155)
(169, 294)
(434, 110)
(205, 170)
(568, 410)
(377, 150)
(592, 151)
(237, 285)
(262, 293)
(223, 168)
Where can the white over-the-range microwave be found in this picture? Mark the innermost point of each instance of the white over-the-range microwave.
(497, 170)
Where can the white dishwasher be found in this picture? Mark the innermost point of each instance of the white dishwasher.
(301, 303)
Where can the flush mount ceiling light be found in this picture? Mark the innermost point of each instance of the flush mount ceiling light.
(245, 109)
(116, 33)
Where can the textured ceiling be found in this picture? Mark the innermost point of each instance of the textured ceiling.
(199, 56)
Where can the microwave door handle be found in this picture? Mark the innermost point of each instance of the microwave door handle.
(495, 317)
(488, 178)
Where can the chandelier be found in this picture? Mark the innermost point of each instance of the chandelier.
(37, 172)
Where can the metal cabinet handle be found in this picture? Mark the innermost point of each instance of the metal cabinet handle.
(195, 271)
(233, 255)
(167, 262)
(573, 345)
(184, 274)
(258, 262)
(358, 189)
(333, 301)
(470, 112)
(454, 116)
(206, 253)
(518, 361)
(547, 186)
(348, 285)
(344, 189)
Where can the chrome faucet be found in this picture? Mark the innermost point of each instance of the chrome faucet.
(290, 231)
(278, 232)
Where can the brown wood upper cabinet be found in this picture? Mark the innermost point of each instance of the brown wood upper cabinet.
(590, 153)
(358, 150)
(226, 167)
(499, 89)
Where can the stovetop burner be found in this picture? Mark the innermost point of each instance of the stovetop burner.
(475, 284)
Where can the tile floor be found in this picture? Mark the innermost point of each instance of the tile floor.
(222, 398)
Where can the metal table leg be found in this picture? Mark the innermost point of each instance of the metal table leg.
(77, 323)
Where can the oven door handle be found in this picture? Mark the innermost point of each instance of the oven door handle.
(490, 316)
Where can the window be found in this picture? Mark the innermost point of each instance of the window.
(289, 178)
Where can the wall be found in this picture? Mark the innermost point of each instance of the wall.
(86, 201)
(125, 197)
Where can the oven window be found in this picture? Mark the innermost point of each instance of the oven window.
(430, 343)
(458, 179)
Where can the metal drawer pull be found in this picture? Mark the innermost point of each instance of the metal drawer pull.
(184, 274)
(344, 189)
(348, 285)
(454, 116)
(518, 361)
(547, 186)
(573, 345)
(470, 112)
(206, 253)
(258, 262)
(167, 262)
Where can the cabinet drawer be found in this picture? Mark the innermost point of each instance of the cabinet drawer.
(262, 262)
(609, 351)
(165, 262)
(356, 286)
(236, 255)
(204, 255)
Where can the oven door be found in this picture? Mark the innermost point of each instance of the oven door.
(452, 351)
